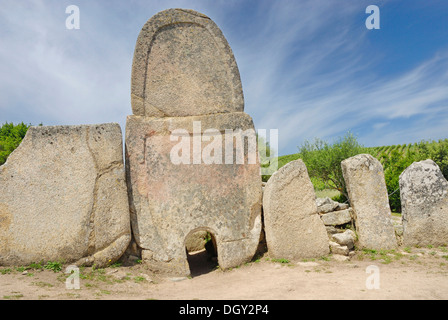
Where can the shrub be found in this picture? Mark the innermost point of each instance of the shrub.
(53, 265)
(323, 160)
(393, 166)
(10, 137)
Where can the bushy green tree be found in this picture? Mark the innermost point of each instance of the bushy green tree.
(265, 151)
(10, 137)
(436, 151)
(393, 166)
(323, 160)
(396, 162)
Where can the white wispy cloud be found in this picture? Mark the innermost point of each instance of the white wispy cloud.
(305, 66)
(322, 83)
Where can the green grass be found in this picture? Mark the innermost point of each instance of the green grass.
(54, 266)
(43, 284)
(384, 256)
(139, 279)
(327, 193)
(6, 271)
(280, 260)
(13, 297)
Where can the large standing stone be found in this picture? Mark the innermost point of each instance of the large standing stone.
(424, 202)
(292, 226)
(183, 66)
(366, 187)
(186, 93)
(63, 197)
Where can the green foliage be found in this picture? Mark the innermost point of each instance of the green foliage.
(282, 160)
(208, 237)
(10, 137)
(280, 260)
(397, 158)
(393, 166)
(264, 150)
(323, 160)
(53, 265)
(341, 198)
(436, 151)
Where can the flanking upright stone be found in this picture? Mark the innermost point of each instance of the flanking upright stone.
(63, 197)
(366, 187)
(292, 226)
(187, 167)
(424, 203)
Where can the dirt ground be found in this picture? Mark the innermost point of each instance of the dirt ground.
(417, 273)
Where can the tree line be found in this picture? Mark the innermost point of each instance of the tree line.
(323, 161)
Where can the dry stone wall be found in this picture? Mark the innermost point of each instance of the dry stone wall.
(338, 220)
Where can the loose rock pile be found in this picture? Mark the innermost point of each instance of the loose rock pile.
(337, 218)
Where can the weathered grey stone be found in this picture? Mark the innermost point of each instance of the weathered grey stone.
(336, 218)
(332, 230)
(196, 241)
(367, 192)
(424, 202)
(292, 226)
(398, 230)
(346, 238)
(169, 200)
(186, 87)
(341, 258)
(183, 66)
(63, 197)
(326, 204)
(336, 249)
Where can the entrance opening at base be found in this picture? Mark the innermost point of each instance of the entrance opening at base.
(202, 253)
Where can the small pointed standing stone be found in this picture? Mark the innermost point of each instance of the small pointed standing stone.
(366, 187)
(292, 225)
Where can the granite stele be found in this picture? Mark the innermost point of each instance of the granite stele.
(191, 153)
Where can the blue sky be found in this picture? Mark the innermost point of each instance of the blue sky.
(309, 68)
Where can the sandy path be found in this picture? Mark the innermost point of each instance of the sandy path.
(421, 274)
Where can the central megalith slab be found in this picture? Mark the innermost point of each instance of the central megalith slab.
(191, 153)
